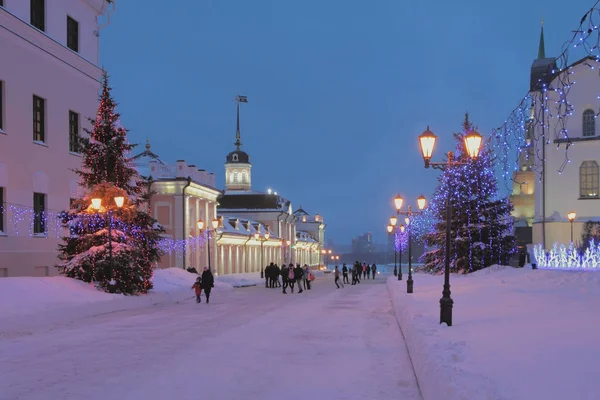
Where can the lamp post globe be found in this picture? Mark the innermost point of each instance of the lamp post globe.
(427, 144)
(473, 144)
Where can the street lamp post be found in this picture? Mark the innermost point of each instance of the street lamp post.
(215, 225)
(397, 270)
(96, 205)
(571, 215)
(262, 241)
(289, 251)
(401, 228)
(409, 213)
(393, 221)
(472, 142)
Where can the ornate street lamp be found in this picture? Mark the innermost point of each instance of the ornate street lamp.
(421, 201)
(571, 215)
(215, 225)
(472, 142)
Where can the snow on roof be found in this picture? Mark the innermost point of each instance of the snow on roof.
(243, 226)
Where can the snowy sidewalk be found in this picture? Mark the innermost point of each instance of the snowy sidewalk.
(517, 334)
(251, 343)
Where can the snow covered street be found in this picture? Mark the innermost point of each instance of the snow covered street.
(251, 343)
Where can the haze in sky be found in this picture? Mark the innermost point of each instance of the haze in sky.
(338, 90)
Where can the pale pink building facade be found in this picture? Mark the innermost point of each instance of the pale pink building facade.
(49, 82)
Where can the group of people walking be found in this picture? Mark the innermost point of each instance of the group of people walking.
(290, 275)
(355, 271)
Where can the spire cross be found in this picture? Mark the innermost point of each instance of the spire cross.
(239, 99)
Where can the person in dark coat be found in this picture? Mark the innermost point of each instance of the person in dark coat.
(374, 270)
(284, 277)
(368, 271)
(208, 282)
(298, 274)
(345, 274)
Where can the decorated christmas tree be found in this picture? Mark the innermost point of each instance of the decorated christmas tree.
(112, 241)
(481, 224)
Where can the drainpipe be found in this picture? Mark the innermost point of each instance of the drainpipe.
(189, 182)
(246, 253)
(97, 31)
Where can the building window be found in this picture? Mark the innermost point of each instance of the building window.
(73, 132)
(38, 119)
(235, 177)
(1, 104)
(234, 157)
(38, 14)
(39, 213)
(589, 180)
(72, 34)
(589, 123)
(2, 209)
(244, 177)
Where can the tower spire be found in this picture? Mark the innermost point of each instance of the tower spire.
(542, 47)
(239, 99)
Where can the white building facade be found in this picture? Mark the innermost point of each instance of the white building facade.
(49, 82)
(570, 180)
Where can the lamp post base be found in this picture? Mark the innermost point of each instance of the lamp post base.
(399, 274)
(409, 284)
(395, 271)
(446, 304)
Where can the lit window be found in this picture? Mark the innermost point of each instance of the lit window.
(589, 180)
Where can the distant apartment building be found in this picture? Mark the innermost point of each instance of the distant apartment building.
(363, 244)
(49, 82)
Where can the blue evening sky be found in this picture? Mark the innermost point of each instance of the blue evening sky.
(338, 90)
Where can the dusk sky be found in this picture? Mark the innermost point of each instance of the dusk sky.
(338, 90)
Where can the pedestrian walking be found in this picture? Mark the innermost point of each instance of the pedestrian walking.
(284, 278)
(208, 282)
(336, 274)
(345, 274)
(374, 270)
(198, 289)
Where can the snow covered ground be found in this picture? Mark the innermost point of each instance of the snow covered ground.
(516, 334)
(31, 303)
(249, 343)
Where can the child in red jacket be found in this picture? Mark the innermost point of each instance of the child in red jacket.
(198, 289)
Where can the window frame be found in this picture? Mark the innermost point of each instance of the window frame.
(588, 123)
(72, 37)
(37, 14)
(39, 211)
(39, 136)
(588, 170)
(73, 132)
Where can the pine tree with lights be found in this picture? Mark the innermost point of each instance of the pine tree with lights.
(481, 224)
(113, 201)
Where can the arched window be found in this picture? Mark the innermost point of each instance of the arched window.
(244, 177)
(230, 177)
(589, 181)
(235, 176)
(589, 123)
(234, 157)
